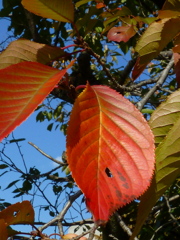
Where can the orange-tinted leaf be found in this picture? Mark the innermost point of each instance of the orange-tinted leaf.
(100, 5)
(154, 39)
(72, 235)
(168, 14)
(176, 53)
(23, 87)
(110, 150)
(3, 230)
(55, 9)
(119, 34)
(25, 50)
(18, 213)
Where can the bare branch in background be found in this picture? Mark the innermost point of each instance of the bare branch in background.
(32, 25)
(124, 226)
(46, 155)
(159, 83)
(60, 216)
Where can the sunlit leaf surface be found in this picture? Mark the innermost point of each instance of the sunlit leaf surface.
(110, 150)
(165, 124)
(154, 39)
(23, 87)
(55, 9)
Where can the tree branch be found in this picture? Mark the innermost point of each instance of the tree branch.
(60, 216)
(32, 25)
(46, 155)
(124, 226)
(159, 83)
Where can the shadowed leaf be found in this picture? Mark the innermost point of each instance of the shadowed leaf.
(176, 53)
(25, 50)
(155, 38)
(18, 213)
(110, 150)
(55, 9)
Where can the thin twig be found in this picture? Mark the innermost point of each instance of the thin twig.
(68, 224)
(60, 216)
(158, 207)
(162, 226)
(159, 83)
(124, 226)
(46, 155)
(169, 210)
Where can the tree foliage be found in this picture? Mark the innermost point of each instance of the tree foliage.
(123, 132)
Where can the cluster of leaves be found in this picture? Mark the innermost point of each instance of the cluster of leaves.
(108, 139)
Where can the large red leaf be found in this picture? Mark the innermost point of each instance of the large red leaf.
(23, 87)
(110, 150)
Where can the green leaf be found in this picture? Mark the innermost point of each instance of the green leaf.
(165, 124)
(17, 140)
(78, 4)
(49, 127)
(154, 39)
(3, 166)
(11, 184)
(165, 116)
(55, 9)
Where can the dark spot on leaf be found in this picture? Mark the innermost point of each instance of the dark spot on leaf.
(123, 179)
(118, 194)
(126, 185)
(108, 173)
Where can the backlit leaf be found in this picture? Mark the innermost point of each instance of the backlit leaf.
(18, 213)
(55, 9)
(119, 34)
(23, 87)
(171, 8)
(110, 150)
(155, 38)
(165, 124)
(25, 50)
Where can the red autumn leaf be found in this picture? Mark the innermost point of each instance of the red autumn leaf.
(110, 150)
(18, 213)
(120, 34)
(23, 87)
